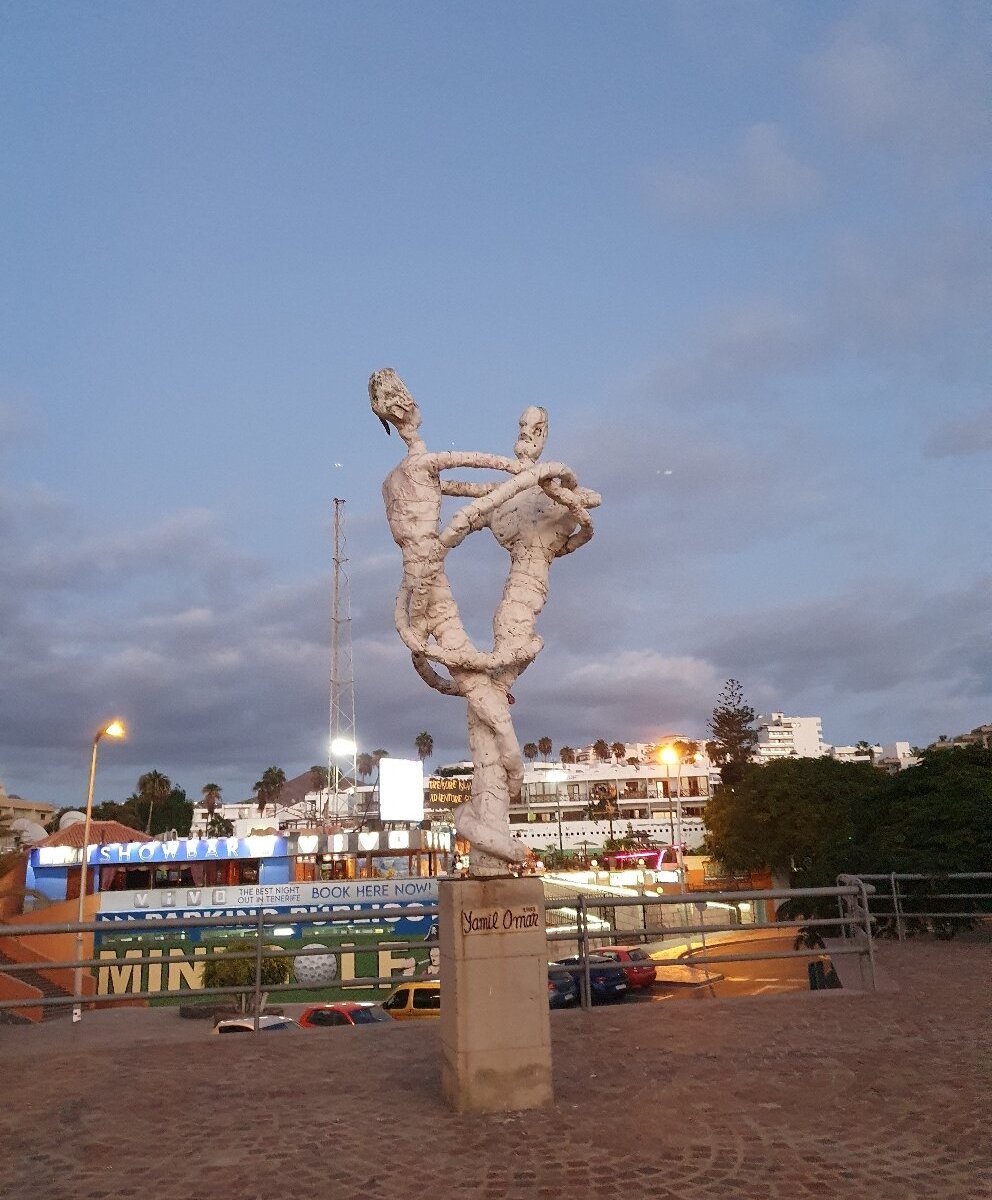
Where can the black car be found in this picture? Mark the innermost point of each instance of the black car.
(607, 981)
(563, 989)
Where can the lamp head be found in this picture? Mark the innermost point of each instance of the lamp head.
(113, 729)
(668, 754)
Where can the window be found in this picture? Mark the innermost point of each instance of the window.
(634, 789)
(321, 1017)
(427, 998)
(399, 1000)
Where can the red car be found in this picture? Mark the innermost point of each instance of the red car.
(343, 1012)
(636, 962)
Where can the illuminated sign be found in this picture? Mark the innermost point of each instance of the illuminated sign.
(445, 792)
(133, 854)
(275, 897)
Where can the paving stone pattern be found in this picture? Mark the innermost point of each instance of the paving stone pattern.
(883, 1096)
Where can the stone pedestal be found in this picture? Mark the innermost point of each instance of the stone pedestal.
(495, 1028)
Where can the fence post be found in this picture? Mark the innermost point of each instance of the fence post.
(871, 944)
(897, 908)
(258, 965)
(585, 988)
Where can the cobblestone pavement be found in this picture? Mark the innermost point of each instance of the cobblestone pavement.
(883, 1096)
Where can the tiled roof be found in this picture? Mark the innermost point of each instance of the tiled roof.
(102, 833)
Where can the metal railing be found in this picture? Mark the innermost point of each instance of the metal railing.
(853, 923)
(252, 924)
(907, 901)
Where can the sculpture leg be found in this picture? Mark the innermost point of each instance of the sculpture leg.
(497, 779)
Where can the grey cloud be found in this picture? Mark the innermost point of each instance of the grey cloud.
(881, 645)
(911, 75)
(915, 299)
(762, 179)
(956, 438)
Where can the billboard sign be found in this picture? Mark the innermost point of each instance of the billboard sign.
(401, 789)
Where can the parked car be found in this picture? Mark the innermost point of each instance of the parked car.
(607, 981)
(267, 1023)
(563, 990)
(343, 1012)
(636, 962)
(414, 1001)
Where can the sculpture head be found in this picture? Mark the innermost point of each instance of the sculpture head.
(393, 404)
(533, 434)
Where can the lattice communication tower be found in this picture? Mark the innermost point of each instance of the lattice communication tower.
(342, 712)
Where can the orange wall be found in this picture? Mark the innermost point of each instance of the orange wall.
(12, 988)
(53, 947)
(10, 906)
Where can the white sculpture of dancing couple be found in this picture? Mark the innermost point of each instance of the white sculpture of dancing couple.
(537, 514)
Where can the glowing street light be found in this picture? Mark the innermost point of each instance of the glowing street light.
(339, 747)
(113, 729)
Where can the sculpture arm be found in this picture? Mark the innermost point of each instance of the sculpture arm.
(578, 503)
(455, 487)
(474, 516)
(448, 460)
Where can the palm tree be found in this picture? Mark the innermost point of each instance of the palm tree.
(211, 798)
(618, 750)
(864, 747)
(268, 789)
(152, 786)
(425, 745)
(365, 764)
(602, 750)
(567, 754)
(319, 778)
(380, 753)
(530, 751)
(545, 746)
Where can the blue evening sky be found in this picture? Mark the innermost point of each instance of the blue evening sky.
(739, 251)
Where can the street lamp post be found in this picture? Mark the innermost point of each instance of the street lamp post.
(558, 777)
(113, 729)
(668, 756)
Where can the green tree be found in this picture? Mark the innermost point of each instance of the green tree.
(804, 818)
(934, 817)
(733, 738)
(365, 764)
(211, 794)
(567, 754)
(220, 970)
(618, 750)
(424, 744)
(218, 826)
(153, 786)
(319, 778)
(545, 746)
(174, 812)
(686, 750)
(601, 749)
(268, 789)
(530, 751)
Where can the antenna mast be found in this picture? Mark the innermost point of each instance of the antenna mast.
(341, 747)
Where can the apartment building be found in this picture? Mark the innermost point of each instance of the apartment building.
(780, 736)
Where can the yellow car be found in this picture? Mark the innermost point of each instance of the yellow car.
(414, 1001)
